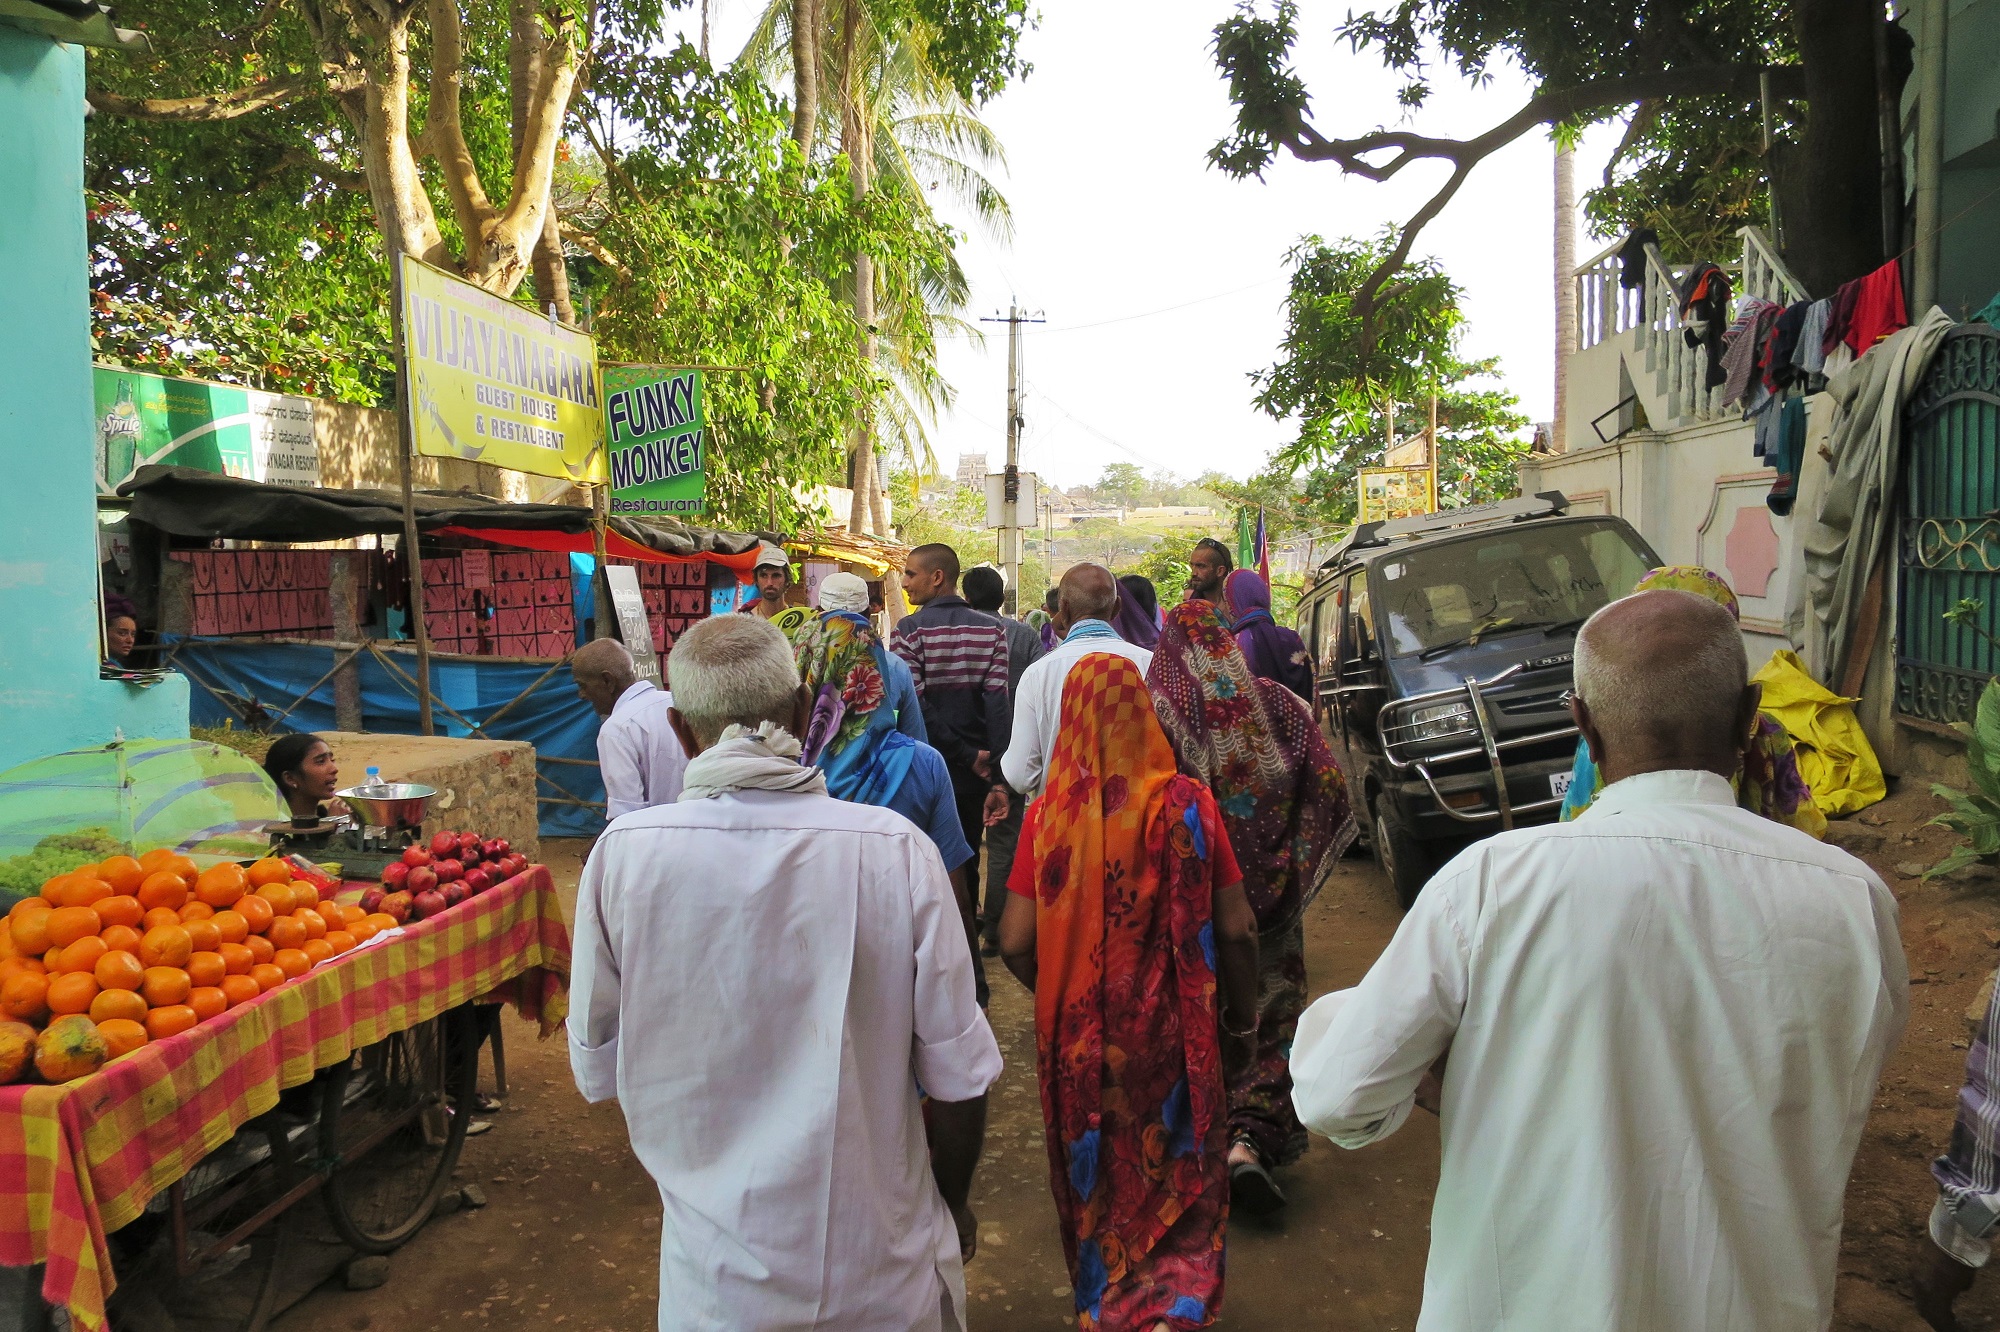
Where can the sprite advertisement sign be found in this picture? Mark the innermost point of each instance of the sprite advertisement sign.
(145, 418)
(654, 433)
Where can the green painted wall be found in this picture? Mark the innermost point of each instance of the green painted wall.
(50, 695)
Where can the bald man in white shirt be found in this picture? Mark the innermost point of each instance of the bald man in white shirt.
(638, 754)
(1652, 1034)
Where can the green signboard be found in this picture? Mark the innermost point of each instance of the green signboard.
(225, 428)
(654, 434)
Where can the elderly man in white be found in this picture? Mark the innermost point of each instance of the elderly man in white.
(638, 754)
(1652, 1034)
(1086, 599)
(763, 977)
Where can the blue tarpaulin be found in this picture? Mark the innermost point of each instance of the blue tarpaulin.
(552, 718)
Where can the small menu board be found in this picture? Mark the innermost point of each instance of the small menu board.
(635, 631)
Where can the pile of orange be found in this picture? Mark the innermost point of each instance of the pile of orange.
(146, 948)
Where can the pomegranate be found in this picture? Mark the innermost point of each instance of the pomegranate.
(393, 875)
(469, 855)
(397, 905)
(493, 849)
(416, 856)
(422, 879)
(449, 871)
(444, 844)
(478, 879)
(372, 895)
(454, 893)
(427, 904)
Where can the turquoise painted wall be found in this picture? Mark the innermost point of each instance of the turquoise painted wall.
(50, 696)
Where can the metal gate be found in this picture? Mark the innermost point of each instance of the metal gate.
(1949, 537)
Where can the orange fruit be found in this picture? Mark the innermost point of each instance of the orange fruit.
(110, 1004)
(279, 895)
(27, 904)
(240, 989)
(123, 873)
(208, 1001)
(269, 870)
(287, 932)
(83, 954)
(72, 992)
(50, 958)
(122, 1035)
(305, 895)
(171, 1020)
(181, 865)
(119, 970)
(256, 912)
(30, 930)
(261, 949)
(25, 995)
(352, 914)
(76, 889)
(314, 922)
(319, 950)
(339, 941)
(203, 935)
(68, 924)
(15, 966)
(382, 920)
(267, 975)
(165, 985)
(221, 885)
(156, 860)
(196, 911)
(206, 968)
(236, 958)
(230, 927)
(55, 892)
(360, 931)
(159, 916)
(167, 946)
(293, 962)
(162, 890)
(120, 938)
(120, 910)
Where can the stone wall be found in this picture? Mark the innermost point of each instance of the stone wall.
(358, 450)
(484, 786)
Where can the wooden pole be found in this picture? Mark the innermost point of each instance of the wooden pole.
(346, 592)
(603, 614)
(413, 560)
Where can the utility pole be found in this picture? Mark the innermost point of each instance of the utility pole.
(1010, 495)
(1565, 239)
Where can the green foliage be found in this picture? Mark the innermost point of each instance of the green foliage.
(1975, 814)
(976, 43)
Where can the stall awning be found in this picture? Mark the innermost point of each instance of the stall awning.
(615, 545)
(872, 553)
(186, 502)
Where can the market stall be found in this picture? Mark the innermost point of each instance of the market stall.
(189, 1051)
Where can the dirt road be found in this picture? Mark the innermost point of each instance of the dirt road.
(570, 1235)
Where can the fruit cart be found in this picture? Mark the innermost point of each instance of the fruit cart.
(179, 1163)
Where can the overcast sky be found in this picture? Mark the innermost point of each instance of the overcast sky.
(1162, 280)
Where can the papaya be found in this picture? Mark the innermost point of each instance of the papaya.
(70, 1048)
(17, 1047)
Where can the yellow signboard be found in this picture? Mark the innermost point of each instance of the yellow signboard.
(492, 382)
(1396, 492)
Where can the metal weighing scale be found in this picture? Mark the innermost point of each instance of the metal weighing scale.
(384, 820)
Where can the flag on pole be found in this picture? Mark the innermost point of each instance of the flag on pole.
(1263, 548)
(1246, 541)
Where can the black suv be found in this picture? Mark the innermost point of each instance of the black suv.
(1441, 651)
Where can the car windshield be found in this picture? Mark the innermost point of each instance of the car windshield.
(1532, 576)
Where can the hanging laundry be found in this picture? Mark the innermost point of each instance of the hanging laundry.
(1989, 314)
(1809, 355)
(1777, 365)
(1765, 422)
(1743, 344)
(1791, 453)
(1878, 308)
(1705, 311)
(1632, 258)
(1839, 317)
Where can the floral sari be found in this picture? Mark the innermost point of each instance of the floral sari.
(1122, 855)
(1284, 802)
(852, 737)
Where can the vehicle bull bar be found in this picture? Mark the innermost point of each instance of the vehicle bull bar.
(1490, 746)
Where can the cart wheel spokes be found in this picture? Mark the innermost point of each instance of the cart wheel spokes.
(392, 1122)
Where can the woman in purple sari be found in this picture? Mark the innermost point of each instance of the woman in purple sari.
(1273, 651)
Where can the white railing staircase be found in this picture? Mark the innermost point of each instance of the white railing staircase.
(1666, 373)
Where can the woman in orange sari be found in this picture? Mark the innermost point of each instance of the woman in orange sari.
(1128, 920)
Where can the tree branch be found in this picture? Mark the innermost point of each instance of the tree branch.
(443, 134)
(355, 181)
(1643, 119)
(512, 235)
(227, 105)
(1548, 108)
(594, 247)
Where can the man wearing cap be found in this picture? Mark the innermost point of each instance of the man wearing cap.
(845, 593)
(773, 575)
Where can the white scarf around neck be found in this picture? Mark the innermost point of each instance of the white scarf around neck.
(766, 759)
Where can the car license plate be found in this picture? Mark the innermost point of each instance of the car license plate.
(1559, 784)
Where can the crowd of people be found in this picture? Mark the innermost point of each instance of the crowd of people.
(1651, 1031)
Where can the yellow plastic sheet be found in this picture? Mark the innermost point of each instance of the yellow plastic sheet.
(1834, 755)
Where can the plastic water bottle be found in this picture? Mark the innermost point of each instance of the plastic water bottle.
(375, 786)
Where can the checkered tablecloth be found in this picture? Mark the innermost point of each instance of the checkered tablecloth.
(81, 1160)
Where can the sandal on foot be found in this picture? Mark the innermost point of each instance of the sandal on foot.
(1252, 1190)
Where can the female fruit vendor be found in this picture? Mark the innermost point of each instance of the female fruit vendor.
(302, 765)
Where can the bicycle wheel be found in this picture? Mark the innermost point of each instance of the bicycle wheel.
(392, 1122)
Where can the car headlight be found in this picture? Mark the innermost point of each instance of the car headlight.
(1438, 721)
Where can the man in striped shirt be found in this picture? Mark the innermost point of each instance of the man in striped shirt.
(958, 658)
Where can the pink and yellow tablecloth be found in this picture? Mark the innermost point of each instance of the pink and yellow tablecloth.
(81, 1160)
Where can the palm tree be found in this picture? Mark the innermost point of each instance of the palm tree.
(902, 127)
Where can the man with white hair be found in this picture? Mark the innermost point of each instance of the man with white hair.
(763, 977)
(638, 754)
(1651, 1035)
